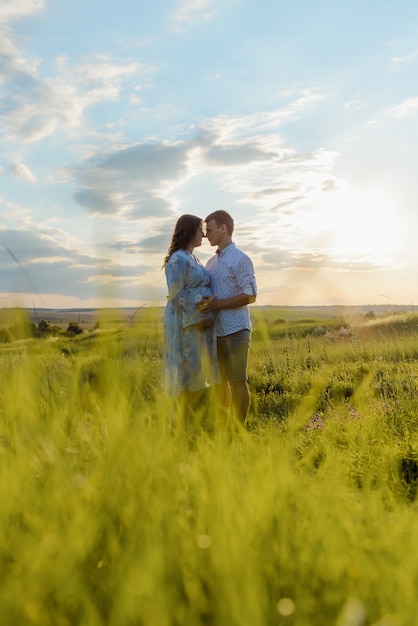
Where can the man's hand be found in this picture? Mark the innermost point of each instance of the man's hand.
(211, 303)
(207, 305)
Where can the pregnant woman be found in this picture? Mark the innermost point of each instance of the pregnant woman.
(190, 362)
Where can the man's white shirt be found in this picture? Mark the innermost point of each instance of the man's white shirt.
(232, 273)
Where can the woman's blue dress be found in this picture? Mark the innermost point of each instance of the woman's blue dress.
(190, 355)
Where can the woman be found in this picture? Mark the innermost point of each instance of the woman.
(190, 354)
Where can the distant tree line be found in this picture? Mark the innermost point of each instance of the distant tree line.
(42, 330)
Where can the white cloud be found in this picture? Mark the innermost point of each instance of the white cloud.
(189, 12)
(14, 9)
(406, 108)
(356, 103)
(34, 106)
(11, 213)
(22, 171)
(245, 155)
(406, 58)
(37, 109)
(228, 127)
(102, 78)
(7, 47)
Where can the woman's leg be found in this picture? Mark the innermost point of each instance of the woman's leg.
(223, 402)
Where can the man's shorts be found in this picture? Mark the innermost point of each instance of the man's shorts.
(233, 355)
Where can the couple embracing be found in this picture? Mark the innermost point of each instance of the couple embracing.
(207, 326)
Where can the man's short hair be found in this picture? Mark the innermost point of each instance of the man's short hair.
(222, 217)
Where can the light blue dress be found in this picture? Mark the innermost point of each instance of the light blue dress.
(190, 355)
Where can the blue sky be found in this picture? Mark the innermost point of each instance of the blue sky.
(299, 118)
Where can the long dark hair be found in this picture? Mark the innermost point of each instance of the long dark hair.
(184, 231)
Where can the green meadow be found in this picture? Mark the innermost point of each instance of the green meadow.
(308, 518)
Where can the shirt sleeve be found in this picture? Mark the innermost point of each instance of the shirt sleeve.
(246, 276)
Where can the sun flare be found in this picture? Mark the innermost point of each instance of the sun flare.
(366, 225)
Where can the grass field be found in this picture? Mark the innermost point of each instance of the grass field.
(308, 518)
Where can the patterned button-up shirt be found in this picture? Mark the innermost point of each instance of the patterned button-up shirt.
(231, 273)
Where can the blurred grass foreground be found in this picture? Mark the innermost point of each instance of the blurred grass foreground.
(308, 518)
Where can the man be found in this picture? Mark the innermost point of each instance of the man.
(234, 287)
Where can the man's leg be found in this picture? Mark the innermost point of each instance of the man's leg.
(241, 398)
(239, 344)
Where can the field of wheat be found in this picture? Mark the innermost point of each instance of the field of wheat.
(305, 519)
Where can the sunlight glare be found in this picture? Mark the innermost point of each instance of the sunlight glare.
(366, 225)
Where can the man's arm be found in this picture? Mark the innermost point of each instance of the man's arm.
(212, 304)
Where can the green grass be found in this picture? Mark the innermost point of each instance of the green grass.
(106, 518)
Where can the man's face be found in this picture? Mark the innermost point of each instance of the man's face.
(213, 232)
(197, 239)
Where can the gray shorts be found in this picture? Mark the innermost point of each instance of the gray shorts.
(233, 355)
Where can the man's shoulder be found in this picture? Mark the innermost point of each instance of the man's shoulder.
(239, 254)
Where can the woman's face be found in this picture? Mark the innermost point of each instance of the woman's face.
(197, 239)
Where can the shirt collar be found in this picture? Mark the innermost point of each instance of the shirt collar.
(225, 250)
